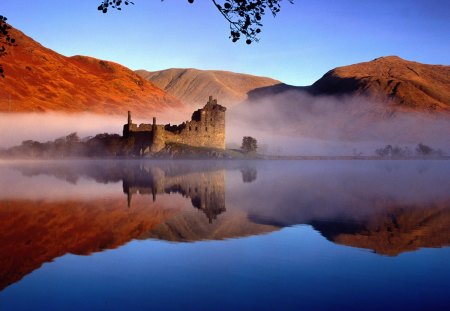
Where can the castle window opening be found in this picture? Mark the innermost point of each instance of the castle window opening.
(196, 128)
(206, 129)
(190, 128)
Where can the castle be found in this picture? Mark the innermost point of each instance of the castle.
(205, 129)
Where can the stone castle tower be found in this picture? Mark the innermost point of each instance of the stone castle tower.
(205, 129)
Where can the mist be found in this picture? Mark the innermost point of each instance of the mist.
(42, 127)
(289, 123)
(296, 123)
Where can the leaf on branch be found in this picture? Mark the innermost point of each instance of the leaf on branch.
(243, 16)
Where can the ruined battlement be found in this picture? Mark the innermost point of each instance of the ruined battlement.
(205, 129)
(140, 128)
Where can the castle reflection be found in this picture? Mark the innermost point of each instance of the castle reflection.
(206, 190)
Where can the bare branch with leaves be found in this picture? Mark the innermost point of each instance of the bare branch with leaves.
(244, 16)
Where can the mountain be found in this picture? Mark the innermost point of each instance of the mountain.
(399, 83)
(407, 84)
(193, 86)
(385, 100)
(39, 79)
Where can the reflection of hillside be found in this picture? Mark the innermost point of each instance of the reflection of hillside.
(396, 230)
(388, 228)
(186, 226)
(387, 208)
(35, 232)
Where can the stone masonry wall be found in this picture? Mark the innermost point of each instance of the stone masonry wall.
(205, 129)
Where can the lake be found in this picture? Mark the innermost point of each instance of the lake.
(225, 235)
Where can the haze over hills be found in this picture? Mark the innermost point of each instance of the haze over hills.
(192, 86)
(39, 79)
(387, 100)
(399, 83)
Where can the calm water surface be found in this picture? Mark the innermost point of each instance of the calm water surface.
(207, 235)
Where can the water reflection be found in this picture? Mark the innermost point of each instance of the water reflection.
(81, 207)
(206, 189)
(249, 173)
(42, 218)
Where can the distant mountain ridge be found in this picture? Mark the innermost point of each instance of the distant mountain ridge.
(389, 100)
(39, 80)
(192, 86)
(399, 83)
(406, 84)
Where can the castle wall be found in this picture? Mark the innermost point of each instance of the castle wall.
(206, 129)
(140, 128)
(159, 138)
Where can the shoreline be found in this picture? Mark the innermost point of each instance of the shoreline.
(260, 158)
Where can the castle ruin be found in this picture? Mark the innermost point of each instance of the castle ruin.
(205, 129)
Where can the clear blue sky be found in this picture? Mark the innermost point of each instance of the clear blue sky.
(297, 47)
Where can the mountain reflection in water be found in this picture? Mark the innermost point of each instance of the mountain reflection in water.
(79, 207)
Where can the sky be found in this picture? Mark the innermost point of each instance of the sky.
(297, 47)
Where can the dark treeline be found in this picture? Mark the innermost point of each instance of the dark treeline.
(421, 150)
(101, 145)
(113, 145)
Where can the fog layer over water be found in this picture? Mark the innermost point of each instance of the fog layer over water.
(17, 127)
(295, 122)
(290, 123)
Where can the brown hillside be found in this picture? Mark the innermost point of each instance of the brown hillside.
(388, 99)
(407, 84)
(402, 84)
(193, 86)
(39, 79)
